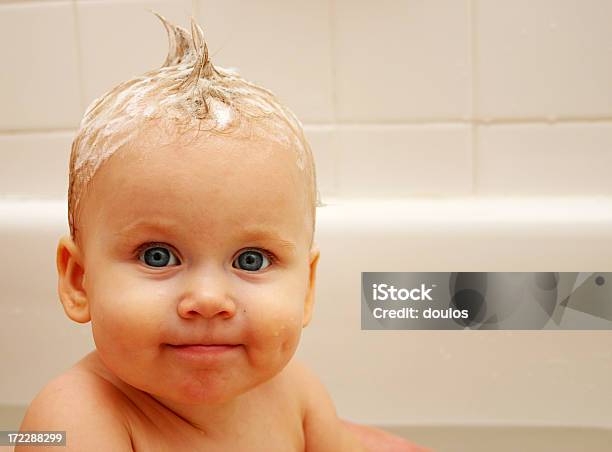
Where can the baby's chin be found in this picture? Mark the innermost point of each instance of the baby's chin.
(187, 385)
(208, 391)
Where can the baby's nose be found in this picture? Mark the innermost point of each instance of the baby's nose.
(207, 296)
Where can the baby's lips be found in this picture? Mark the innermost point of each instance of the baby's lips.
(210, 346)
(202, 342)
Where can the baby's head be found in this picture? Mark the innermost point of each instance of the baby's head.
(191, 206)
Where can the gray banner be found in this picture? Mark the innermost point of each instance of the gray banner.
(32, 438)
(486, 301)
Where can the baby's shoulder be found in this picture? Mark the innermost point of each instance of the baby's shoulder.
(302, 383)
(323, 430)
(89, 408)
(301, 379)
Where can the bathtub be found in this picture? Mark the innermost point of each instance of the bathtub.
(453, 391)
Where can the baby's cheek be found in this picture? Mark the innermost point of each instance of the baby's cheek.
(124, 321)
(273, 334)
(125, 337)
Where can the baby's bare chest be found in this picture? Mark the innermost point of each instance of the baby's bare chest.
(263, 434)
(272, 427)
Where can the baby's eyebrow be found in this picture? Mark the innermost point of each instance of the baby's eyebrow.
(267, 234)
(145, 224)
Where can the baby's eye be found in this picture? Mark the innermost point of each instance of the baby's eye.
(251, 260)
(157, 256)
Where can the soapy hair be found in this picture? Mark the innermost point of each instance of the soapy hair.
(187, 93)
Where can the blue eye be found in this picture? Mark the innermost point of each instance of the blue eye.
(251, 260)
(157, 256)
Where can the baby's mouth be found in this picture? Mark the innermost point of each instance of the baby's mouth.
(204, 346)
(203, 352)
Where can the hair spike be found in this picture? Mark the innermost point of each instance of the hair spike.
(180, 45)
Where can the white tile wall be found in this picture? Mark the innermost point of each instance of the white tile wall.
(35, 164)
(544, 58)
(397, 161)
(39, 84)
(402, 60)
(561, 159)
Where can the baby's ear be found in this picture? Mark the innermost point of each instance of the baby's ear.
(310, 294)
(71, 274)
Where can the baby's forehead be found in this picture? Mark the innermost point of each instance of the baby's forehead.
(211, 182)
(225, 163)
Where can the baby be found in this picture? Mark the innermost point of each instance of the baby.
(191, 206)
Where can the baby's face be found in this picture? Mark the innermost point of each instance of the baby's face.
(201, 244)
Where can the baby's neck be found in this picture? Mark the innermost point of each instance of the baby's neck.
(213, 421)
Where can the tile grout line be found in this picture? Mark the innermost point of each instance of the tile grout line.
(464, 122)
(9, 133)
(79, 54)
(29, 2)
(336, 151)
(474, 94)
(332, 50)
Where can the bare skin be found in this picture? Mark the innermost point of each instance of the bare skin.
(267, 418)
(168, 254)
